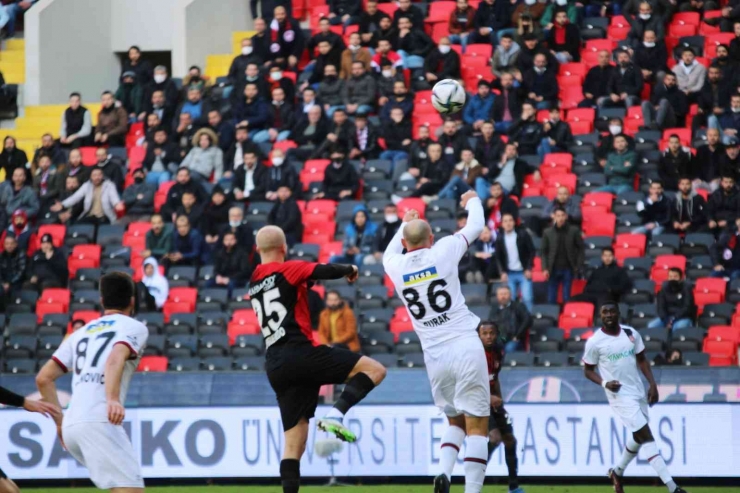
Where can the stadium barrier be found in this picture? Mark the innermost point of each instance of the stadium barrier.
(555, 440)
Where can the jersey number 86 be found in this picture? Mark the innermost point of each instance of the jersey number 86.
(439, 300)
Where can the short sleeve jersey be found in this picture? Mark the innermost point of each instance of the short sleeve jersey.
(494, 358)
(279, 295)
(86, 352)
(614, 356)
(428, 283)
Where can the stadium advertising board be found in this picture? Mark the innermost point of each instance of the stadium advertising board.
(700, 440)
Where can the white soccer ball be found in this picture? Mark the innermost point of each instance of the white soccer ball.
(448, 96)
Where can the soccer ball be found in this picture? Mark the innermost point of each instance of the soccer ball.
(448, 96)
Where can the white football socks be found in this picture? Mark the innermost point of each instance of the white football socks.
(630, 452)
(656, 460)
(476, 461)
(452, 440)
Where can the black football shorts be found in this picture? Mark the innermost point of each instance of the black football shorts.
(301, 372)
(501, 421)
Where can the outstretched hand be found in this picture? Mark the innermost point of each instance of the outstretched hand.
(410, 215)
(467, 196)
(355, 274)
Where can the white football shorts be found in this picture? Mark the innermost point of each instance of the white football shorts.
(632, 412)
(458, 374)
(106, 452)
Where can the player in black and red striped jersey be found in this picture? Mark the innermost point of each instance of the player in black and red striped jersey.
(296, 365)
(499, 425)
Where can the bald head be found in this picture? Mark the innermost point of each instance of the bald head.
(417, 233)
(271, 239)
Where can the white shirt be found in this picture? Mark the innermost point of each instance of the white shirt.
(427, 281)
(86, 352)
(249, 181)
(615, 358)
(512, 252)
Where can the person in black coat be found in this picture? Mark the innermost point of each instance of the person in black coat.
(509, 97)
(239, 63)
(668, 105)
(713, 98)
(281, 175)
(453, 142)
(340, 132)
(532, 47)
(412, 41)
(214, 217)
(157, 104)
(676, 308)
(729, 161)
(336, 43)
(251, 180)
(650, 55)
(625, 86)
(287, 41)
(161, 82)
(48, 267)
(723, 204)
(309, 133)
(690, 211)
(675, 163)
(608, 281)
(709, 155)
(412, 12)
(223, 129)
(267, 8)
(596, 84)
(557, 135)
(526, 131)
(239, 227)
(112, 166)
(12, 158)
(434, 174)
(287, 215)
(341, 180)
(369, 22)
(364, 145)
(344, 12)
(564, 39)
(283, 115)
(442, 63)
(135, 64)
(520, 170)
(234, 156)
(655, 211)
(518, 276)
(398, 137)
(326, 56)
(488, 146)
(183, 183)
(490, 17)
(231, 267)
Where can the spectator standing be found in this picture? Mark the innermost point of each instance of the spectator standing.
(625, 85)
(287, 215)
(17, 195)
(442, 63)
(337, 324)
(650, 56)
(620, 168)
(564, 39)
(158, 239)
(514, 255)
(723, 205)
(187, 245)
(512, 319)
(231, 269)
(655, 211)
(355, 52)
(690, 211)
(205, 159)
(359, 238)
(667, 107)
(287, 42)
(138, 199)
(478, 108)
(541, 84)
(76, 126)
(598, 78)
(112, 122)
(156, 284)
(359, 91)
(251, 180)
(386, 231)
(12, 158)
(341, 181)
(505, 56)
(130, 95)
(676, 309)
(674, 163)
(48, 267)
(100, 199)
(690, 74)
(461, 23)
(141, 68)
(111, 166)
(557, 134)
(12, 269)
(562, 255)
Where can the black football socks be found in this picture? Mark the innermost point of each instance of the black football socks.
(512, 463)
(356, 389)
(290, 475)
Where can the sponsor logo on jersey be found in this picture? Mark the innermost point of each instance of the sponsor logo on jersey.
(624, 354)
(420, 276)
(100, 326)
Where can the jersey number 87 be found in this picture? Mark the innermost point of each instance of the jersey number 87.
(439, 300)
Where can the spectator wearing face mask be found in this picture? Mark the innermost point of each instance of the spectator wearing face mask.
(337, 324)
(606, 142)
(667, 107)
(138, 199)
(650, 56)
(442, 63)
(646, 20)
(341, 180)
(331, 90)
(355, 52)
(620, 167)
(690, 74)
(385, 233)
(564, 39)
(281, 175)
(676, 309)
(19, 228)
(130, 95)
(287, 215)
(162, 82)
(246, 55)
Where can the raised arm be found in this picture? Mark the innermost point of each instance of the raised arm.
(476, 221)
(334, 271)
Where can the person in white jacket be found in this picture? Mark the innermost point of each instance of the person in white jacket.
(98, 208)
(155, 283)
(690, 74)
(205, 158)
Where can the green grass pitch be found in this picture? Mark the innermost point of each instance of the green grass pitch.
(456, 488)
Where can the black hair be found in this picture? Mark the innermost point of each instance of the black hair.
(107, 93)
(676, 269)
(194, 67)
(560, 208)
(656, 181)
(607, 249)
(116, 290)
(134, 47)
(686, 48)
(75, 94)
(487, 323)
(507, 36)
(674, 135)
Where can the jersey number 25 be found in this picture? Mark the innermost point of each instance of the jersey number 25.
(439, 299)
(272, 307)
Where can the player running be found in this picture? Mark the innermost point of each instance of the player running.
(8, 398)
(499, 424)
(427, 279)
(103, 356)
(296, 366)
(618, 351)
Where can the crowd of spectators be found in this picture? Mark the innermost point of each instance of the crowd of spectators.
(347, 96)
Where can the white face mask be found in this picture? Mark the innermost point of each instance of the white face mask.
(276, 75)
(540, 70)
(247, 50)
(159, 78)
(444, 49)
(277, 161)
(387, 74)
(615, 129)
(530, 2)
(562, 3)
(354, 48)
(735, 110)
(648, 44)
(235, 224)
(644, 16)
(391, 218)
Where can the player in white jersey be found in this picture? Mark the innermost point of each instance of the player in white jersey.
(103, 355)
(426, 278)
(619, 353)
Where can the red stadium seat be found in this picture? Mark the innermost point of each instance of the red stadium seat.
(579, 309)
(87, 252)
(397, 326)
(55, 295)
(618, 20)
(388, 8)
(183, 295)
(570, 97)
(569, 323)
(711, 285)
(659, 272)
(440, 11)
(172, 307)
(564, 180)
(49, 308)
(629, 240)
(480, 50)
(88, 155)
(681, 30)
(411, 203)
(153, 364)
(581, 114)
(57, 232)
(724, 333)
(603, 224)
(321, 206)
(686, 18)
(622, 254)
(592, 199)
(75, 264)
(317, 239)
(617, 33)
(721, 353)
(560, 159)
(139, 228)
(573, 68)
(326, 250)
(703, 299)
(316, 165)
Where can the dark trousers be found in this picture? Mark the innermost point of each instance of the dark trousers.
(95, 221)
(558, 277)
